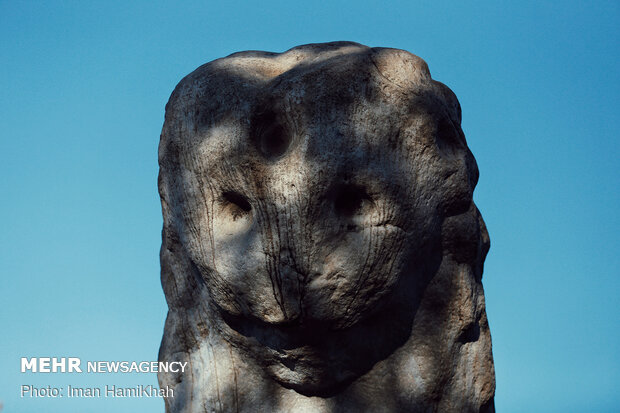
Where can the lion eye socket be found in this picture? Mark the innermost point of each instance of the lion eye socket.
(237, 204)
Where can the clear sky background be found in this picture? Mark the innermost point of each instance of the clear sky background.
(82, 92)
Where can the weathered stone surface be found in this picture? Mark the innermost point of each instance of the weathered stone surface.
(321, 250)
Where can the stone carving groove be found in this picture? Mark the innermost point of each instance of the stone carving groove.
(321, 249)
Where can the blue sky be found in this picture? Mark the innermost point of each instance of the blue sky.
(83, 88)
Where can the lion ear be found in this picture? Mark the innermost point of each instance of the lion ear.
(450, 101)
(179, 277)
(484, 244)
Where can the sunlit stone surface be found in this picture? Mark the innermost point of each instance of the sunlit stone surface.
(321, 250)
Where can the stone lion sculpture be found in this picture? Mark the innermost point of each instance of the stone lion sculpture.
(321, 250)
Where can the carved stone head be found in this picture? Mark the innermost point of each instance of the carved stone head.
(318, 217)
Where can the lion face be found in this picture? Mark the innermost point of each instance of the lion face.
(311, 195)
